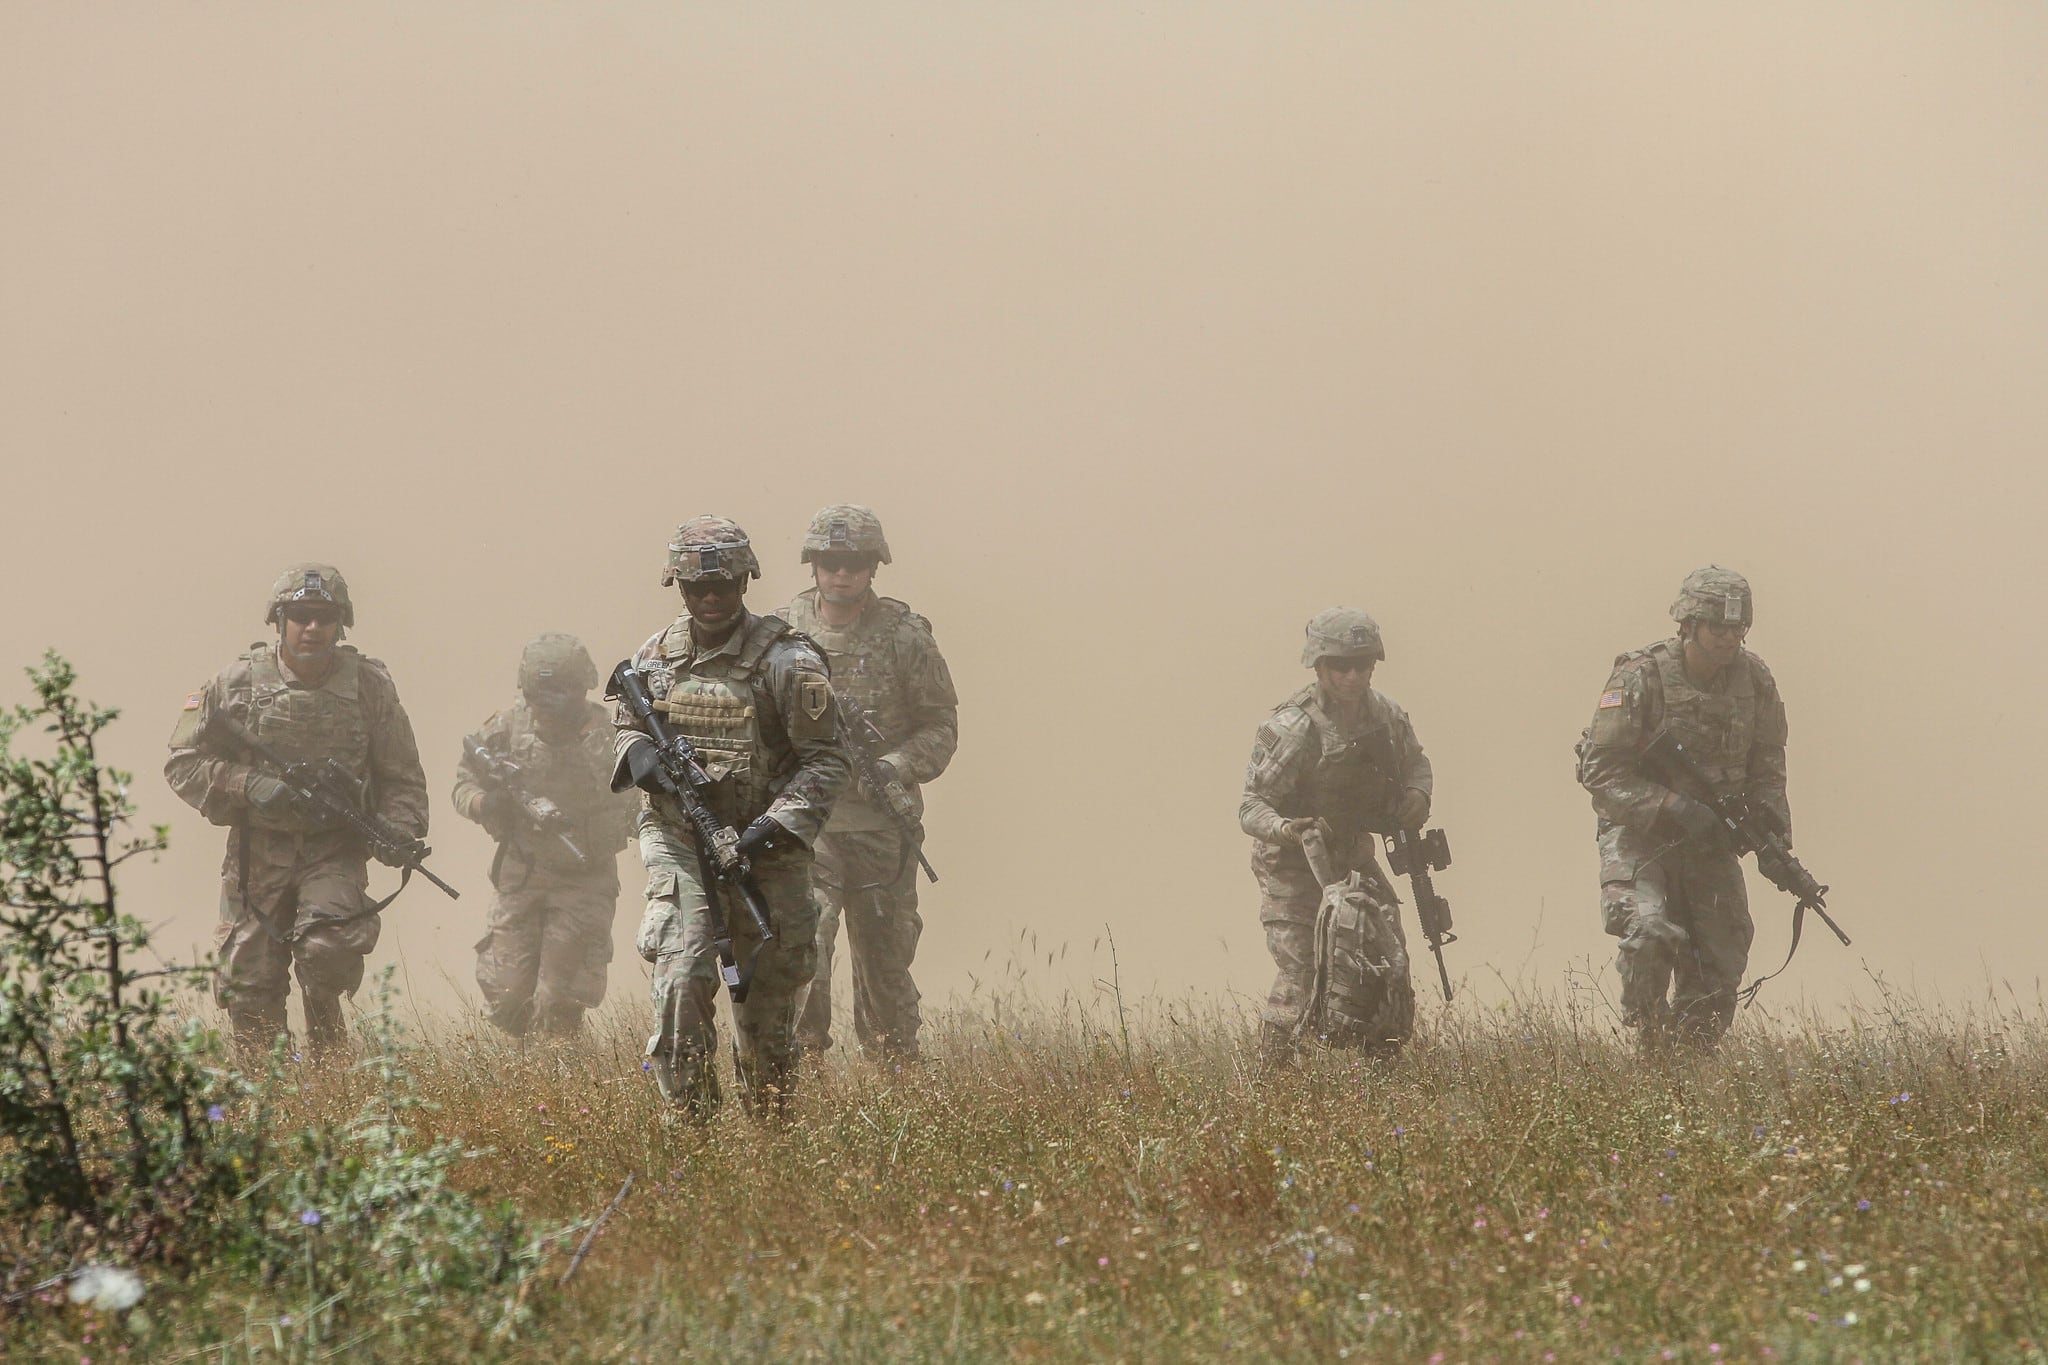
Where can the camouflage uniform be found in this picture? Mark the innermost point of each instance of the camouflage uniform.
(293, 888)
(888, 662)
(758, 708)
(548, 941)
(1679, 904)
(1306, 763)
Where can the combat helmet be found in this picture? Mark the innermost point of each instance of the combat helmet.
(1714, 594)
(556, 662)
(710, 547)
(310, 583)
(845, 528)
(1342, 633)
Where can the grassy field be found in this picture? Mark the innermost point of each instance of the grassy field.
(1083, 1183)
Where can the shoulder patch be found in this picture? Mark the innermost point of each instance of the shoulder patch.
(1611, 699)
(813, 694)
(194, 701)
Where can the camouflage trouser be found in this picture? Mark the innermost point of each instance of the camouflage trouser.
(1683, 921)
(868, 878)
(546, 946)
(676, 936)
(1288, 901)
(297, 888)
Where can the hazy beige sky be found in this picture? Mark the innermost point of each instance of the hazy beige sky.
(1148, 331)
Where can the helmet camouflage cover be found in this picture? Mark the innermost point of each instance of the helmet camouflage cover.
(1714, 594)
(710, 547)
(310, 583)
(845, 528)
(556, 662)
(1342, 633)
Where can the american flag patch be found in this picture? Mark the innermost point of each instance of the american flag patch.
(1608, 699)
(192, 702)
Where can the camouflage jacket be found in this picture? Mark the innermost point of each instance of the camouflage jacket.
(1734, 726)
(889, 662)
(353, 716)
(574, 773)
(1305, 764)
(758, 708)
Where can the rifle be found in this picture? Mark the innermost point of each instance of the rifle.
(325, 788)
(539, 814)
(1750, 829)
(860, 736)
(1412, 854)
(719, 861)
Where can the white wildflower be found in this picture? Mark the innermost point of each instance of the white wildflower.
(107, 1287)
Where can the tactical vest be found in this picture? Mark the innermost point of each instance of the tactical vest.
(1353, 781)
(864, 663)
(719, 712)
(1718, 728)
(575, 776)
(306, 724)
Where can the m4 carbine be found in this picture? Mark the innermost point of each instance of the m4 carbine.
(680, 774)
(325, 788)
(1749, 828)
(861, 736)
(537, 813)
(1412, 854)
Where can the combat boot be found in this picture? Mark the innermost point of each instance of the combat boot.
(558, 1018)
(326, 1035)
(1276, 1047)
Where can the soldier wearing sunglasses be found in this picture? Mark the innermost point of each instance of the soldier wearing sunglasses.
(293, 892)
(1336, 756)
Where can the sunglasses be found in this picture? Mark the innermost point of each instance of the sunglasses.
(838, 561)
(306, 616)
(1349, 665)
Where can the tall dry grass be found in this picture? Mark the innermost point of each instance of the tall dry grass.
(1078, 1180)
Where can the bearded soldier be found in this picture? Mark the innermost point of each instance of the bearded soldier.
(293, 887)
(885, 660)
(537, 778)
(1340, 759)
(1670, 886)
(755, 701)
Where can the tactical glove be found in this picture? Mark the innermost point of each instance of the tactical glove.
(764, 835)
(1777, 872)
(265, 793)
(1413, 811)
(1294, 829)
(640, 766)
(496, 813)
(1691, 818)
(400, 853)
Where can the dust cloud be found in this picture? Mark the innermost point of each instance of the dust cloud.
(1148, 331)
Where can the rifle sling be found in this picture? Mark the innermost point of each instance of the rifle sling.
(1748, 993)
(288, 940)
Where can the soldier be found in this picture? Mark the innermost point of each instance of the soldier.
(293, 886)
(1338, 757)
(884, 658)
(754, 699)
(537, 778)
(1670, 886)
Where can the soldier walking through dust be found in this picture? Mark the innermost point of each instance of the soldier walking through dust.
(1671, 888)
(755, 701)
(886, 662)
(1339, 759)
(293, 886)
(537, 777)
